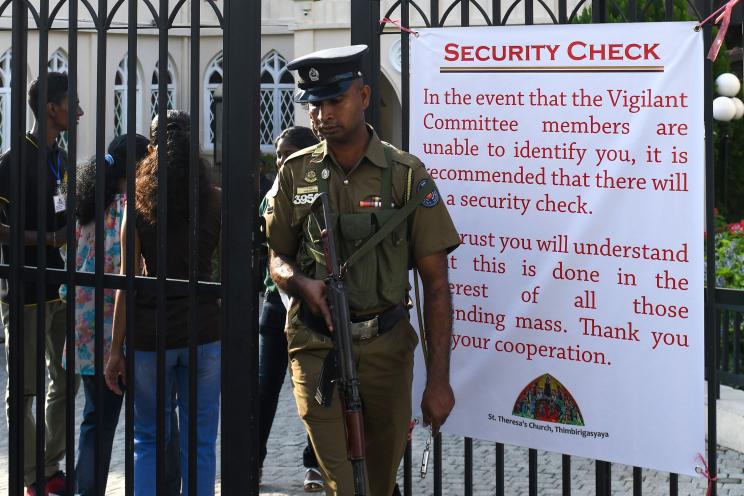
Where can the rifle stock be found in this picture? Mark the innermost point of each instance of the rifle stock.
(348, 382)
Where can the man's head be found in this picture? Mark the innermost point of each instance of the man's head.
(57, 102)
(330, 83)
(340, 117)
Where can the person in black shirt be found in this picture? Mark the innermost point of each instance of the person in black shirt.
(58, 108)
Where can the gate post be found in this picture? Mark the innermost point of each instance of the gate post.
(365, 17)
(242, 44)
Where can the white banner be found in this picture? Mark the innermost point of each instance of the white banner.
(572, 161)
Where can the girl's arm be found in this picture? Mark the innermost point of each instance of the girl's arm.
(116, 366)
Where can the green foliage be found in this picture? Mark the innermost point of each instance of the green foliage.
(651, 10)
(268, 168)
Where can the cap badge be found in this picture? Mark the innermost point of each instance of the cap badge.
(313, 74)
(310, 176)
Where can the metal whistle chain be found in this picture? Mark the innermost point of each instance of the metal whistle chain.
(425, 455)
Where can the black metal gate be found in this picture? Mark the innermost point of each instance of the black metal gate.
(367, 27)
(239, 23)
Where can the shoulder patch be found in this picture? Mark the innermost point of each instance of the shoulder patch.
(430, 200)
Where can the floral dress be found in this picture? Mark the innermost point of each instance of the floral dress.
(85, 261)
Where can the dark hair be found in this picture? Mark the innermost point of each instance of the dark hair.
(116, 168)
(56, 91)
(298, 136)
(177, 163)
(173, 117)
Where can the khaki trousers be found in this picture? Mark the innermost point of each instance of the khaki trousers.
(54, 342)
(385, 369)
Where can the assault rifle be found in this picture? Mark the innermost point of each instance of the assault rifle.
(347, 380)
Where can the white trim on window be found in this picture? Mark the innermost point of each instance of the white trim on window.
(120, 100)
(277, 99)
(154, 89)
(212, 82)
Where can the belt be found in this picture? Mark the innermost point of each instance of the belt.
(379, 324)
(366, 328)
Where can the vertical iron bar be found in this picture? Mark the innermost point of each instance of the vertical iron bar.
(704, 6)
(130, 259)
(637, 481)
(673, 485)
(724, 327)
(72, 98)
(496, 12)
(468, 466)
(599, 11)
(500, 469)
(240, 219)
(438, 465)
(632, 14)
(193, 239)
(434, 13)
(41, 248)
(17, 285)
(405, 76)
(529, 12)
(407, 468)
(737, 344)
(532, 472)
(603, 479)
(668, 10)
(365, 16)
(163, 395)
(566, 475)
(100, 208)
(464, 13)
(563, 11)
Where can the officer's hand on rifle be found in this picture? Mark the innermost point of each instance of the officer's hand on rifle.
(314, 295)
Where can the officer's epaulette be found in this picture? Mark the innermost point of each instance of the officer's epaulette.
(401, 157)
(305, 151)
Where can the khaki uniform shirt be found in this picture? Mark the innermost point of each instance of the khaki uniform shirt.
(430, 228)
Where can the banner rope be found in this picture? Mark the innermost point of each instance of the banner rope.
(397, 23)
(724, 14)
(705, 472)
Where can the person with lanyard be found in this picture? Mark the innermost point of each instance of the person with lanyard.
(272, 348)
(370, 184)
(57, 109)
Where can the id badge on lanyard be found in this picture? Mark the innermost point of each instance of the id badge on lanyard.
(60, 203)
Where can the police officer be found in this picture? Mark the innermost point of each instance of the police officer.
(368, 182)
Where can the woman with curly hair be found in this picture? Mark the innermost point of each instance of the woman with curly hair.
(145, 226)
(115, 200)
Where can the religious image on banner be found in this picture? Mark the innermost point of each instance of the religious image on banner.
(548, 400)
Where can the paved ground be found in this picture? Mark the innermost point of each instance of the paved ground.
(283, 469)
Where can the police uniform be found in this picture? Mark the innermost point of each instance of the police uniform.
(364, 199)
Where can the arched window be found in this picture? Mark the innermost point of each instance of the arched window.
(5, 102)
(171, 81)
(277, 102)
(58, 63)
(120, 100)
(212, 82)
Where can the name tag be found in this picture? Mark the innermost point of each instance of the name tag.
(303, 190)
(59, 203)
